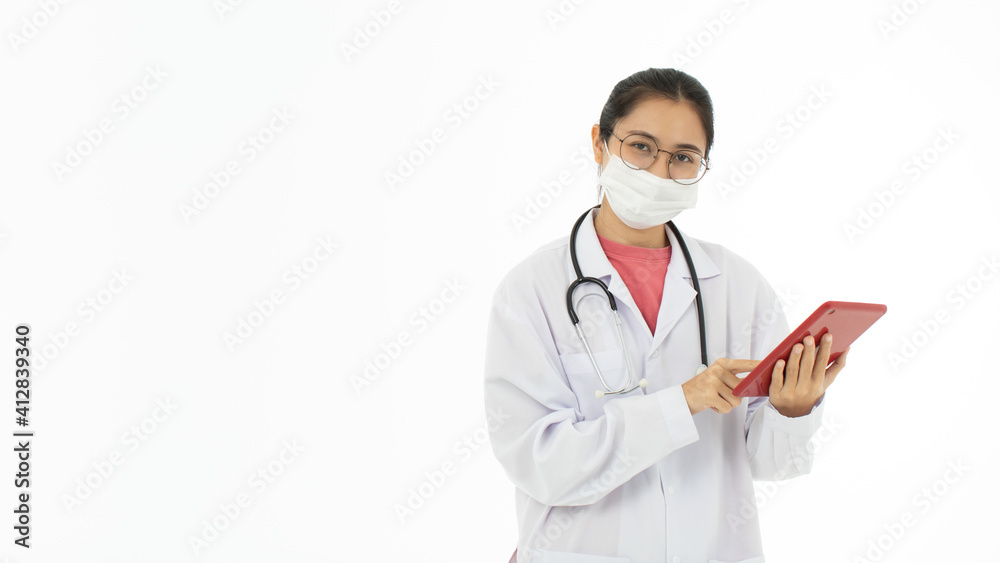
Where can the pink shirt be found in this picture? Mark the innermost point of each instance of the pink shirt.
(642, 270)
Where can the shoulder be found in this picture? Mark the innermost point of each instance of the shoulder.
(726, 260)
(535, 272)
(738, 273)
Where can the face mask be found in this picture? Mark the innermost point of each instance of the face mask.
(642, 199)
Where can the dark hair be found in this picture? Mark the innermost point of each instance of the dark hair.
(669, 83)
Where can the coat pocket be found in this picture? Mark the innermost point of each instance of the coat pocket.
(585, 383)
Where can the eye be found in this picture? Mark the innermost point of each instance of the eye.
(640, 146)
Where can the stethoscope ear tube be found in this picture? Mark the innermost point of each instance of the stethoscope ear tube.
(572, 240)
(697, 292)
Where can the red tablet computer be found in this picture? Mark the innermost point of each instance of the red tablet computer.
(845, 320)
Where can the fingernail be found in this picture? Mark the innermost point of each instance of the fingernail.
(827, 337)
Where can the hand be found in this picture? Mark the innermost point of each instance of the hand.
(797, 387)
(713, 388)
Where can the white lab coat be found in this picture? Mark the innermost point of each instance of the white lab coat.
(635, 477)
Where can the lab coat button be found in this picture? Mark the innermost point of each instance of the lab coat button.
(655, 354)
(670, 490)
(677, 559)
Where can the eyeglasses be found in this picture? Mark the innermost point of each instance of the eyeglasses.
(639, 152)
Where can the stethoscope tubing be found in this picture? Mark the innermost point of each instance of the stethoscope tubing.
(581, 279)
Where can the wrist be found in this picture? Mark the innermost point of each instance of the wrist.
(790, 411)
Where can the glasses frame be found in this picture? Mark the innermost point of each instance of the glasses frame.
(621, 146)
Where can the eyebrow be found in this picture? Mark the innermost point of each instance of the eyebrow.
(650, 135)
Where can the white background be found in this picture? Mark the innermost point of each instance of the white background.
(354, 116)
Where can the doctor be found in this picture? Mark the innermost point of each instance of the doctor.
(663, 469)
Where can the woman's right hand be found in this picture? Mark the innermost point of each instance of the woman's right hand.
(713, 388)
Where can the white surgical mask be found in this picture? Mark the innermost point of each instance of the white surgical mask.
(642, 199)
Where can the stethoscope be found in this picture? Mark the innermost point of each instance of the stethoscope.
(580, 279)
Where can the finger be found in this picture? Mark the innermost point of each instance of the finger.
(822, 356)
(733, 400)
(838, 365)
(730, 380)
(806, 363)
(737, 366)
(722, 406)
(792, 367)
(777, 377)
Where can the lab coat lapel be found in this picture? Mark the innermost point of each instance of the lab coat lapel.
(678, 291)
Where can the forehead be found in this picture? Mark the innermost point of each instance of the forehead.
(670, 123)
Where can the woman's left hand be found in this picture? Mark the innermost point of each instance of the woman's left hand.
(797, 387)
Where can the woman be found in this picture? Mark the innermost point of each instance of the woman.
(647, 459)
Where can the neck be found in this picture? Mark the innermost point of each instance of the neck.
(609, 226)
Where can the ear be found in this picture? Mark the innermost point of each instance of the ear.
(598, 145)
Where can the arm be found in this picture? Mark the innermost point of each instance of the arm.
(776, 444)
(544, 448)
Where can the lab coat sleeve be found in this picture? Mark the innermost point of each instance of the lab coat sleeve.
(776, 444)
(543, 446)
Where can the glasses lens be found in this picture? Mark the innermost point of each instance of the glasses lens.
(687, 167)
(638, 151)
